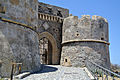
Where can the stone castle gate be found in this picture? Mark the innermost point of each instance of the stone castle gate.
(50, 20)
(48, 48)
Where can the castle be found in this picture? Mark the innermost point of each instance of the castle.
(34, 33)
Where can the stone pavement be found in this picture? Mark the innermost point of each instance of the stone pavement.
(57, 72)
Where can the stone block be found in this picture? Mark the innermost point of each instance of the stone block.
(14, 2)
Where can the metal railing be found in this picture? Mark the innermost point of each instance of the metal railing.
(99, 72)
(16, 69)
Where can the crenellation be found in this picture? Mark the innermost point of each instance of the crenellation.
(85, 16)
(70, 15)
(95, 17)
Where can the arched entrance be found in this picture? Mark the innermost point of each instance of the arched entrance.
(45, 50)
(48, 49)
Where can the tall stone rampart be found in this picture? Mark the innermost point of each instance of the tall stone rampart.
(24, 11)
(19, 42)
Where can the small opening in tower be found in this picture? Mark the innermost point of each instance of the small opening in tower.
(50, 10)
(0, 63)
(102, 38)
(56, 30)
(101, 25)
(77, 34)
(65, 60)
(59, 13)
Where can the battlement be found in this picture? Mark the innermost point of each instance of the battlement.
(99, 17)
(86, 27)
(94, 17)
(52, 10)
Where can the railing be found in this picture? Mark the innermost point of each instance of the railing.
(100, 73)
(48, 17)
(16, 69)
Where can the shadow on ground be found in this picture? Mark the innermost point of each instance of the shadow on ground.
(46, 69)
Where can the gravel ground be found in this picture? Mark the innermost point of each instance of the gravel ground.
(57, 72)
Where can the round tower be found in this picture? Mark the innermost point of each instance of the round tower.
(85, 38)
(18, 41)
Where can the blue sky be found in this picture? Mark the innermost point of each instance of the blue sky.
(109, 9)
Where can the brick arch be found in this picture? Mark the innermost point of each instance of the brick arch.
(55, 54)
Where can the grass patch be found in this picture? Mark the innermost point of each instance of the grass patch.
(1, 79)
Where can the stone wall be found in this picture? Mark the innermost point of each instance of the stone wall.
(19, 44)
(78, 52)
(85, 28)
(55, 30)
(24, 11)
(53, 10)
(52, 27)
(85, 38)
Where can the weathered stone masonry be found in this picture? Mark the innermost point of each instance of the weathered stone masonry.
(20, 33)
(50, 26)
(18, 42)
(32, 32)
(85, 38)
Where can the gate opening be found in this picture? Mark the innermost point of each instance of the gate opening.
(46, 51)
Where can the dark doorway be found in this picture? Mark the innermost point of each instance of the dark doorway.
(46, 51)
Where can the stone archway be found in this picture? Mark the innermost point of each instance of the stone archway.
(55, 54)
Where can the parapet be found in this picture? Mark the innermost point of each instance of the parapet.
(86, 27)
(94, 17)
(99, 17)
(52, 10)
(85, 16)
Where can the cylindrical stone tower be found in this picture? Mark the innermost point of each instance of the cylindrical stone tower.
(85, 38)
(18, 41)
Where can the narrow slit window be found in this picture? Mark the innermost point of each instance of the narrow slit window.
(65, 60)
